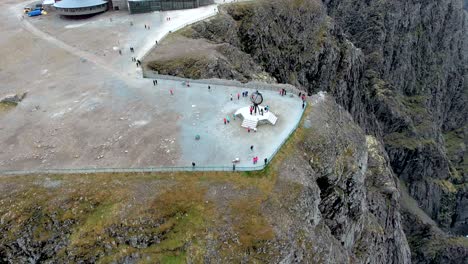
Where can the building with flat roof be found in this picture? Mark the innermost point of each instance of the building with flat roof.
(143, 6)
(80, 7)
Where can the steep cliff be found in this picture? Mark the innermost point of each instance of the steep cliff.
(416, 64)
(329, 196)
(398, 67)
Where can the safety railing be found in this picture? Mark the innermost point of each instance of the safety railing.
(158, 169)
(221, 82)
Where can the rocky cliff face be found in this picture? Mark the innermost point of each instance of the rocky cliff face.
(416, 64)
(398, 67)
(359, 197)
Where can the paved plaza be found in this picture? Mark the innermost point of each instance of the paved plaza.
(87, 106)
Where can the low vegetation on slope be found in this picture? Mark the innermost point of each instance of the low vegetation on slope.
(309, 205)
(144, 218)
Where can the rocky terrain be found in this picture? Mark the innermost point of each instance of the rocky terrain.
(398, 67)
(376, 172)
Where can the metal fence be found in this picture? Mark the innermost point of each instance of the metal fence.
(156, 169)
(233, 83)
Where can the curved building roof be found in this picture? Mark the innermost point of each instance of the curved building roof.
(78, 3)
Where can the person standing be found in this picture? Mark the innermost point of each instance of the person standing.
(172, 92)
(238, 96)
(209, 88)
(231, 97)
(303, 104)
(225, 121)
(251, 148)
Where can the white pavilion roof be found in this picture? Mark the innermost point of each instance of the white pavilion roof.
(78, 3)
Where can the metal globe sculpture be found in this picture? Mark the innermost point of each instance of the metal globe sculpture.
(257, 99)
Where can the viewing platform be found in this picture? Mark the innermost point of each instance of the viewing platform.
(252, 120)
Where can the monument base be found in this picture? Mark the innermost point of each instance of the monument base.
(252, 120)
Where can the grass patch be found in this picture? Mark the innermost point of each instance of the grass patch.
(186, 67)
(415, 104)
(456, 152)
(402, 140)
(7, 106)
(252, 227)
(187, 32)
(446, 185)
(240, 10)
